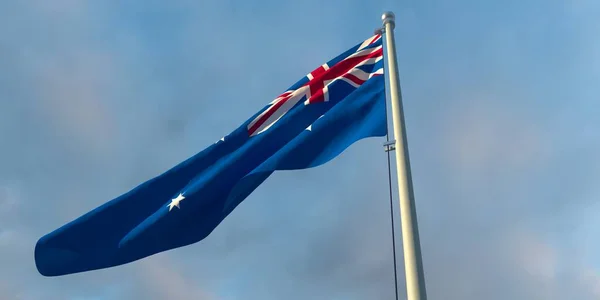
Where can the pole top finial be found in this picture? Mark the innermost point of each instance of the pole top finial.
(388, 17)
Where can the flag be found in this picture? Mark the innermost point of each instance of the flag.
(316, 119)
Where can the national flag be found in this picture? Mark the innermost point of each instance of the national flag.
(335, 105)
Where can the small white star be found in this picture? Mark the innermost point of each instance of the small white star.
(175, 202)
(309, 128)
(220, 140)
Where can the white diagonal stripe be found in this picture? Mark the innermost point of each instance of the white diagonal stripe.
(368, 42)
(363, 52)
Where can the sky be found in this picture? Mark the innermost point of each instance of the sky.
(501, 113)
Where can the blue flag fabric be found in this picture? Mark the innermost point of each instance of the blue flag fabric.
(315, 120)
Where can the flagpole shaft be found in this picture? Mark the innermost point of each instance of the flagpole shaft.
(413, 264)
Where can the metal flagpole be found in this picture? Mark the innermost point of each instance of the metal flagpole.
(413, 264)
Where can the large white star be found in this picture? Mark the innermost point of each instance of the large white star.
(175, 202)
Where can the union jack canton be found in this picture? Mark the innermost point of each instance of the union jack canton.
(354, 67)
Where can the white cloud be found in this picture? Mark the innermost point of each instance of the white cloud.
(535, 257)
(479, 135)
(8, 201)
(159, 278)
(590, 279)
(75, 98)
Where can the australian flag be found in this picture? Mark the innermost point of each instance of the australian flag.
(312, 122)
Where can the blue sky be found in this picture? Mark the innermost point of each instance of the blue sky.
(502, 113)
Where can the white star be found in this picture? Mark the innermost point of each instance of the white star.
(220, 140)
(175, 202)
(309, 128)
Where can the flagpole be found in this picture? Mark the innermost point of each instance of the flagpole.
(413, 264)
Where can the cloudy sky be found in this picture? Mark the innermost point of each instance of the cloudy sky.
(502, 110)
